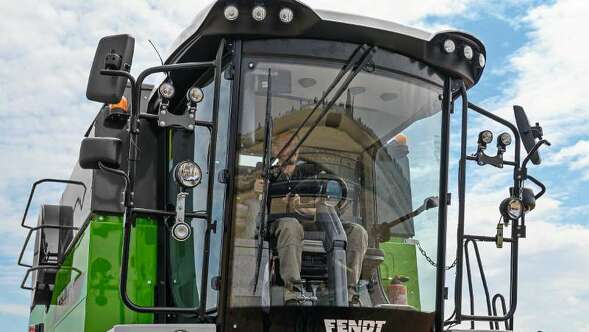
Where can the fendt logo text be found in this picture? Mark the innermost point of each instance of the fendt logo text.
(345, 325)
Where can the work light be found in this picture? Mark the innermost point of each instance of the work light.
(485, 137)
(167, 90)
(468, 53)
(504, 140)
(259, 13)
(286, 15)
(449, 46)
(195, 95)
(187, 174)
(511, 208)
(482, 60)
(181, 231)
(231, 13)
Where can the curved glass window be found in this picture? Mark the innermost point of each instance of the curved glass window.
(349, 208)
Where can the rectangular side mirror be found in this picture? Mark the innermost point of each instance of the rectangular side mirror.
(116, 53)
(106, 150)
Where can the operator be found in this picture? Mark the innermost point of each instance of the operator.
(289, 231)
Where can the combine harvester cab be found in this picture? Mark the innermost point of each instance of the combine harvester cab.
(289, 173)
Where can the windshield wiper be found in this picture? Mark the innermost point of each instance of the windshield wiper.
(266, 162)
(356, 63)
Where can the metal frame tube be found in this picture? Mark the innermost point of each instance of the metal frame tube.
(517, 177)
(443, 206)
(130, 210)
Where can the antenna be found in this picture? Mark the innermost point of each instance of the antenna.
(160, 57)
(156, 51)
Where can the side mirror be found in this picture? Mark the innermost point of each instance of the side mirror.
(106, 150)
(114, 53)
(528, 133)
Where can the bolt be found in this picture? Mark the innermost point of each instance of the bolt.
(162, 123)
(192, 116)
(251, 65)
(162, 112)
(190, 127)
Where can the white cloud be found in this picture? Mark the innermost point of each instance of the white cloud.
(412, 12)
(14, 310)
(551, 70)
(575, 156)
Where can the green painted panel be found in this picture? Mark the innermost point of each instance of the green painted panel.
(401, 259)
(86, 296)
(104, 307)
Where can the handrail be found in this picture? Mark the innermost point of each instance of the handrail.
(131, 211)
(509, 322)
(34, 229)
(483, 279)
(45, 267)
(517, 177)
(32, 193)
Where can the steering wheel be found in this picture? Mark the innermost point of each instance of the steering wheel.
(329, 189)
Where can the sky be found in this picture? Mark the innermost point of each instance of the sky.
(536, 57)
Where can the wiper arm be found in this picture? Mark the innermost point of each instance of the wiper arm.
(262, 212)
(358, 60)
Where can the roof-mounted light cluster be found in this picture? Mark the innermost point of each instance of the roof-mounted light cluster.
(468, 53)
(259, 14)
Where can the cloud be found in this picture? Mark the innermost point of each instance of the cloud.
(413, 13)
(575, 156)
(14, 309)
(551, 72)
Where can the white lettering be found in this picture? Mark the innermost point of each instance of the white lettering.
(379, 325)
(354, 326)
(344, 325)
(368, 326)
(329, 324)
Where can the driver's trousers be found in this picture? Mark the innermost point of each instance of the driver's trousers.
(289, 235)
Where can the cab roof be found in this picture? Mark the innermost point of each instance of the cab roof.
(211, 24)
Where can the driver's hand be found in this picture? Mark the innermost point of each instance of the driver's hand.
(305, 206)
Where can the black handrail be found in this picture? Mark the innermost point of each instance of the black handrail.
(517, 177)
(509, 322)
(483, 279)
(32, 193)
(443, 204)
(131, 211)
(34, 229)
(45, 267)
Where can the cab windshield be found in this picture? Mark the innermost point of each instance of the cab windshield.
(349, 210)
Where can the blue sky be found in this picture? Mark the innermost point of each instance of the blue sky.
(537, 57)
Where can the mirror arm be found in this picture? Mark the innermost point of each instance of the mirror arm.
(539, 184)
(127, 199)
(533, 150)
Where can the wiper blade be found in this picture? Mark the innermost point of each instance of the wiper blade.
(356, 63)
(262, 212)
